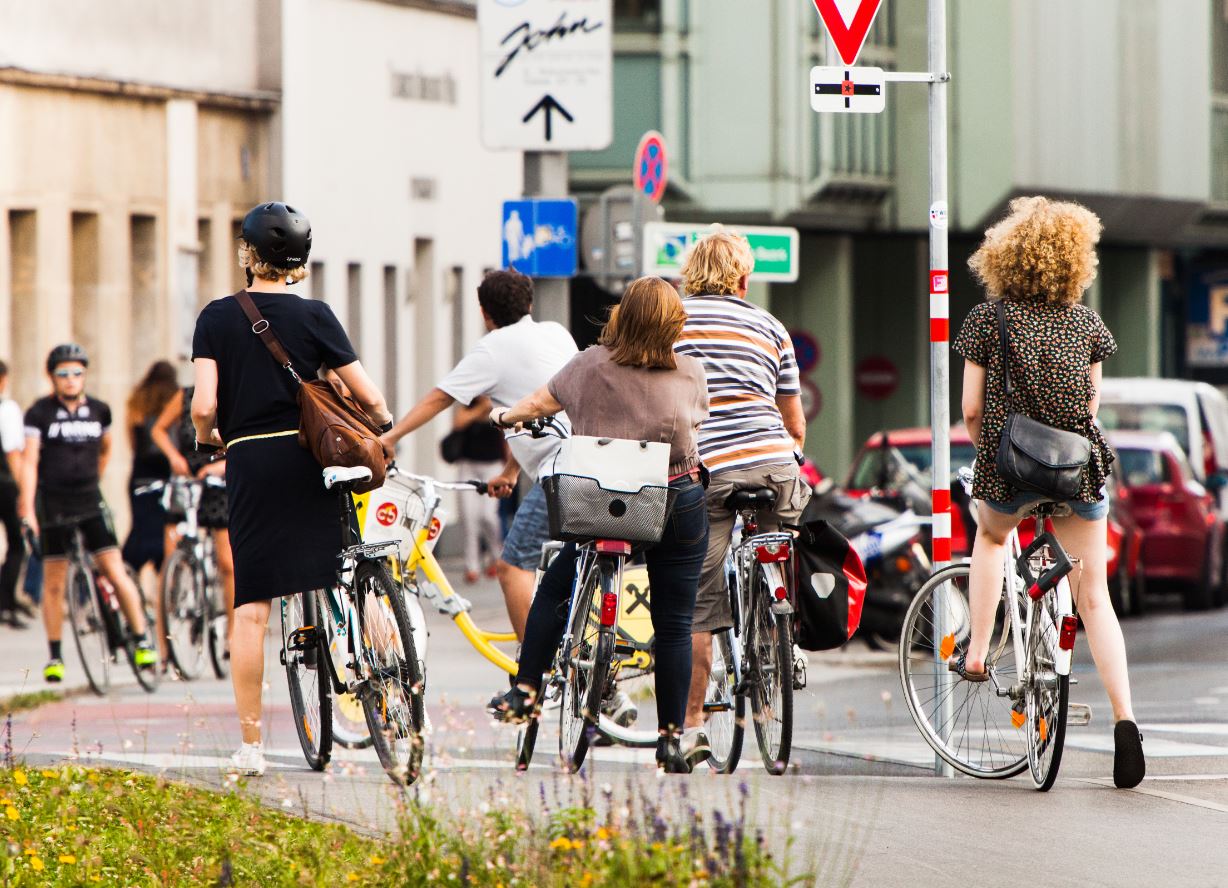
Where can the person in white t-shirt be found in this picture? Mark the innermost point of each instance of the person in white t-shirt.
(12, 442)
(515, 358)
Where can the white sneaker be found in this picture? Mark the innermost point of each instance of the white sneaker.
(695, 747)
(620, 709)
(249, 760)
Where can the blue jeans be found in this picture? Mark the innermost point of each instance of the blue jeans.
(673, 575)
(530, 530)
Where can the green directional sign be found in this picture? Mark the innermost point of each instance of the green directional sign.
(666, 243)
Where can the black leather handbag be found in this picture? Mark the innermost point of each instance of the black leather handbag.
(1032, 456)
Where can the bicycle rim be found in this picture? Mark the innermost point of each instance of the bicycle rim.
(183, 615)
(772, 684)
(967, 724)
(1047, 700)
(725, 709)
(309, 681)
(576, 719)
(350, 722)
(392, 698)
(89, 628)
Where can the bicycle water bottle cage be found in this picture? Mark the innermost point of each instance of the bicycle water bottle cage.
(1061, 566)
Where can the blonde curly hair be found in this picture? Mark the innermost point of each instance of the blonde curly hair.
(716, 263)
(249, 260)
(1043, 250)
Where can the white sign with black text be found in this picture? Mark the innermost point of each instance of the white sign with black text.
(547, 74)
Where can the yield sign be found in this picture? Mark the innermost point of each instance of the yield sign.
(848, 33)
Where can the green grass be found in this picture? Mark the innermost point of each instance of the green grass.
(24, 702)
(71, 826)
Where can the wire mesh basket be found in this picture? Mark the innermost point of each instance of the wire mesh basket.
(580, 509)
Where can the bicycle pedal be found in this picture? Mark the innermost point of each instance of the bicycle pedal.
(1079, 715)
(302, 639)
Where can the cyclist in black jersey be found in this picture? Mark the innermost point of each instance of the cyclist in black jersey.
(68, 441)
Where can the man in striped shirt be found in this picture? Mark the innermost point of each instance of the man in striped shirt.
(754, 428)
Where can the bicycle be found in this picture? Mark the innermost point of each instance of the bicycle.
(94, 612)
(1029, 663)
(755, 659)
(190, 594)
(355, 638)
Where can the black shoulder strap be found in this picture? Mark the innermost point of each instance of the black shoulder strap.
(1004, 339)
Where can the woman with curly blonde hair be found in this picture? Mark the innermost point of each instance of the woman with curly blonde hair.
(1037, 262)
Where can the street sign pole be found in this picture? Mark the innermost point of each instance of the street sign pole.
(940, 375)
(545, 175)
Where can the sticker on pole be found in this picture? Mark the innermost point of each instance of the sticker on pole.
(651, 168)
(848, 22)
(847, 90)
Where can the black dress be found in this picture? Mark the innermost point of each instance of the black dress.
(285, 527)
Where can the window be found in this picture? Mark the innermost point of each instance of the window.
(390, 337)
(204, 269)
(85, 308)
(1219, 46)
(143, 236)
(869, 469)
(23, 314)
(353, 324)
(317, 281)
(1147, 418)
(637, 15)
(1139, 467)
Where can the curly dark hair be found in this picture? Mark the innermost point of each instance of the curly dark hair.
(505, 296)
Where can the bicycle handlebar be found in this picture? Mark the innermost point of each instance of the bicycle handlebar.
(474, 485)
(156, 486)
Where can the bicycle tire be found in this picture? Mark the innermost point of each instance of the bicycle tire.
(578, 714)
(90, 627)
(526, 741)
(726, 728)
(350, 722)
(770, 646)
(148, 677)
(1046, 706)
(219, 623)
(310, 684)
(395, 725)
(183, 611)
(927, 683)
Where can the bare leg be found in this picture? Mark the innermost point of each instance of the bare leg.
(226, 570)
(1087, 541)
(985, 580)
(55, 574)
(701, 669)
(247, 664)
(112, 566)
(517, 585)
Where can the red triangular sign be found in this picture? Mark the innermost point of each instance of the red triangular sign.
(849, 37)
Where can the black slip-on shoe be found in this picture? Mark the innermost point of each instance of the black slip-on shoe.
(1129, 766)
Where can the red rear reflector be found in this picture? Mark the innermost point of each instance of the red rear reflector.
(1070, 627)
(781, 593)
(772, 554)
(609, 608)
(613, 547)
(1036, 593)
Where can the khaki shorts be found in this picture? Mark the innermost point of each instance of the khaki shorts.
(712, 610)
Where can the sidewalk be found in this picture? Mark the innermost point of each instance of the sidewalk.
(25, 655)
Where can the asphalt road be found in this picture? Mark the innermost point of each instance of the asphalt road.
(861, 804)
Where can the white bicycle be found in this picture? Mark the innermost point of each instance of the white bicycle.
(1017, 719)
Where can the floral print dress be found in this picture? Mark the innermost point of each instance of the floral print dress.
(1053, 347)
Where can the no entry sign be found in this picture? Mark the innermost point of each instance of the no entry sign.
(848, 22)
(876, 377)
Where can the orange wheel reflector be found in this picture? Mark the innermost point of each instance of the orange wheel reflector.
(947, 647)
(307, 730)
(1017, 719)
(1044, 729)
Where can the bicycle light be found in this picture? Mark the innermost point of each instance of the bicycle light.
(609, 608)
(1070, 627)
(772, 553)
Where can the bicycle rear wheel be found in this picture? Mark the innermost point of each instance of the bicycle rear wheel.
(724, 707)
(307, 674)
(89, 627)
(967, 724)
(769, 643)
(184, 608)
(148, 677)
(584, 667)
(350, 722)
(1047, 697)
(392, 697)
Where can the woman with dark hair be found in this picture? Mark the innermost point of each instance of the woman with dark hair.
(283, 522)
(631, 386)
(147, 541)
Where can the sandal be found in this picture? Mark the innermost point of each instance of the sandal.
(514, 707)
(960, 667)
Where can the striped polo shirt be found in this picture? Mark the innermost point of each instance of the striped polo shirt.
(748, 357)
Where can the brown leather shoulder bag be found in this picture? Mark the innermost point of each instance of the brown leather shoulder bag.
(332, 426)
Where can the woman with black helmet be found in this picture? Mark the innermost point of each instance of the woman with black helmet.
(283, 523)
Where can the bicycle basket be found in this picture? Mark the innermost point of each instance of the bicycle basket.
(580, 509)
(180, 495)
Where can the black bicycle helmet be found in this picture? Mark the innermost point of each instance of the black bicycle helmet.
(280, 234)
(63, 354)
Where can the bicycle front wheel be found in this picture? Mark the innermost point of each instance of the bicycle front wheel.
(724, 707)
(307, 674)
(969, 725)
(184, 614)
(584, 667)
(89, 627)
(1047, 697)
(392, 698)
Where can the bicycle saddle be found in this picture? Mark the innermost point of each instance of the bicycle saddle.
(334, 475)
(751, 498)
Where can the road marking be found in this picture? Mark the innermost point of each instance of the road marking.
(1153, 747)
(1159, 794)
(1205, 728)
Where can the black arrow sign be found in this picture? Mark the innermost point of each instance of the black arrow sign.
(548, 105)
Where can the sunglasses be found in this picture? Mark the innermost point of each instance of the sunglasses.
(69, 374)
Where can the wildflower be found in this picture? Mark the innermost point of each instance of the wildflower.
(36, 864)
(376, 860)
(352, 877)
(603, 833)
(11, 813)
(49, 774)
(19, 777)
(562, 843)
(68, 858)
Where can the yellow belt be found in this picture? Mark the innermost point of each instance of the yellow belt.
(262, 437)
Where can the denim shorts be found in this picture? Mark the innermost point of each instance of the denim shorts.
(1023, 503)
(530, 531)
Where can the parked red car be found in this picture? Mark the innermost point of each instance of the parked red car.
(1183, 541)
